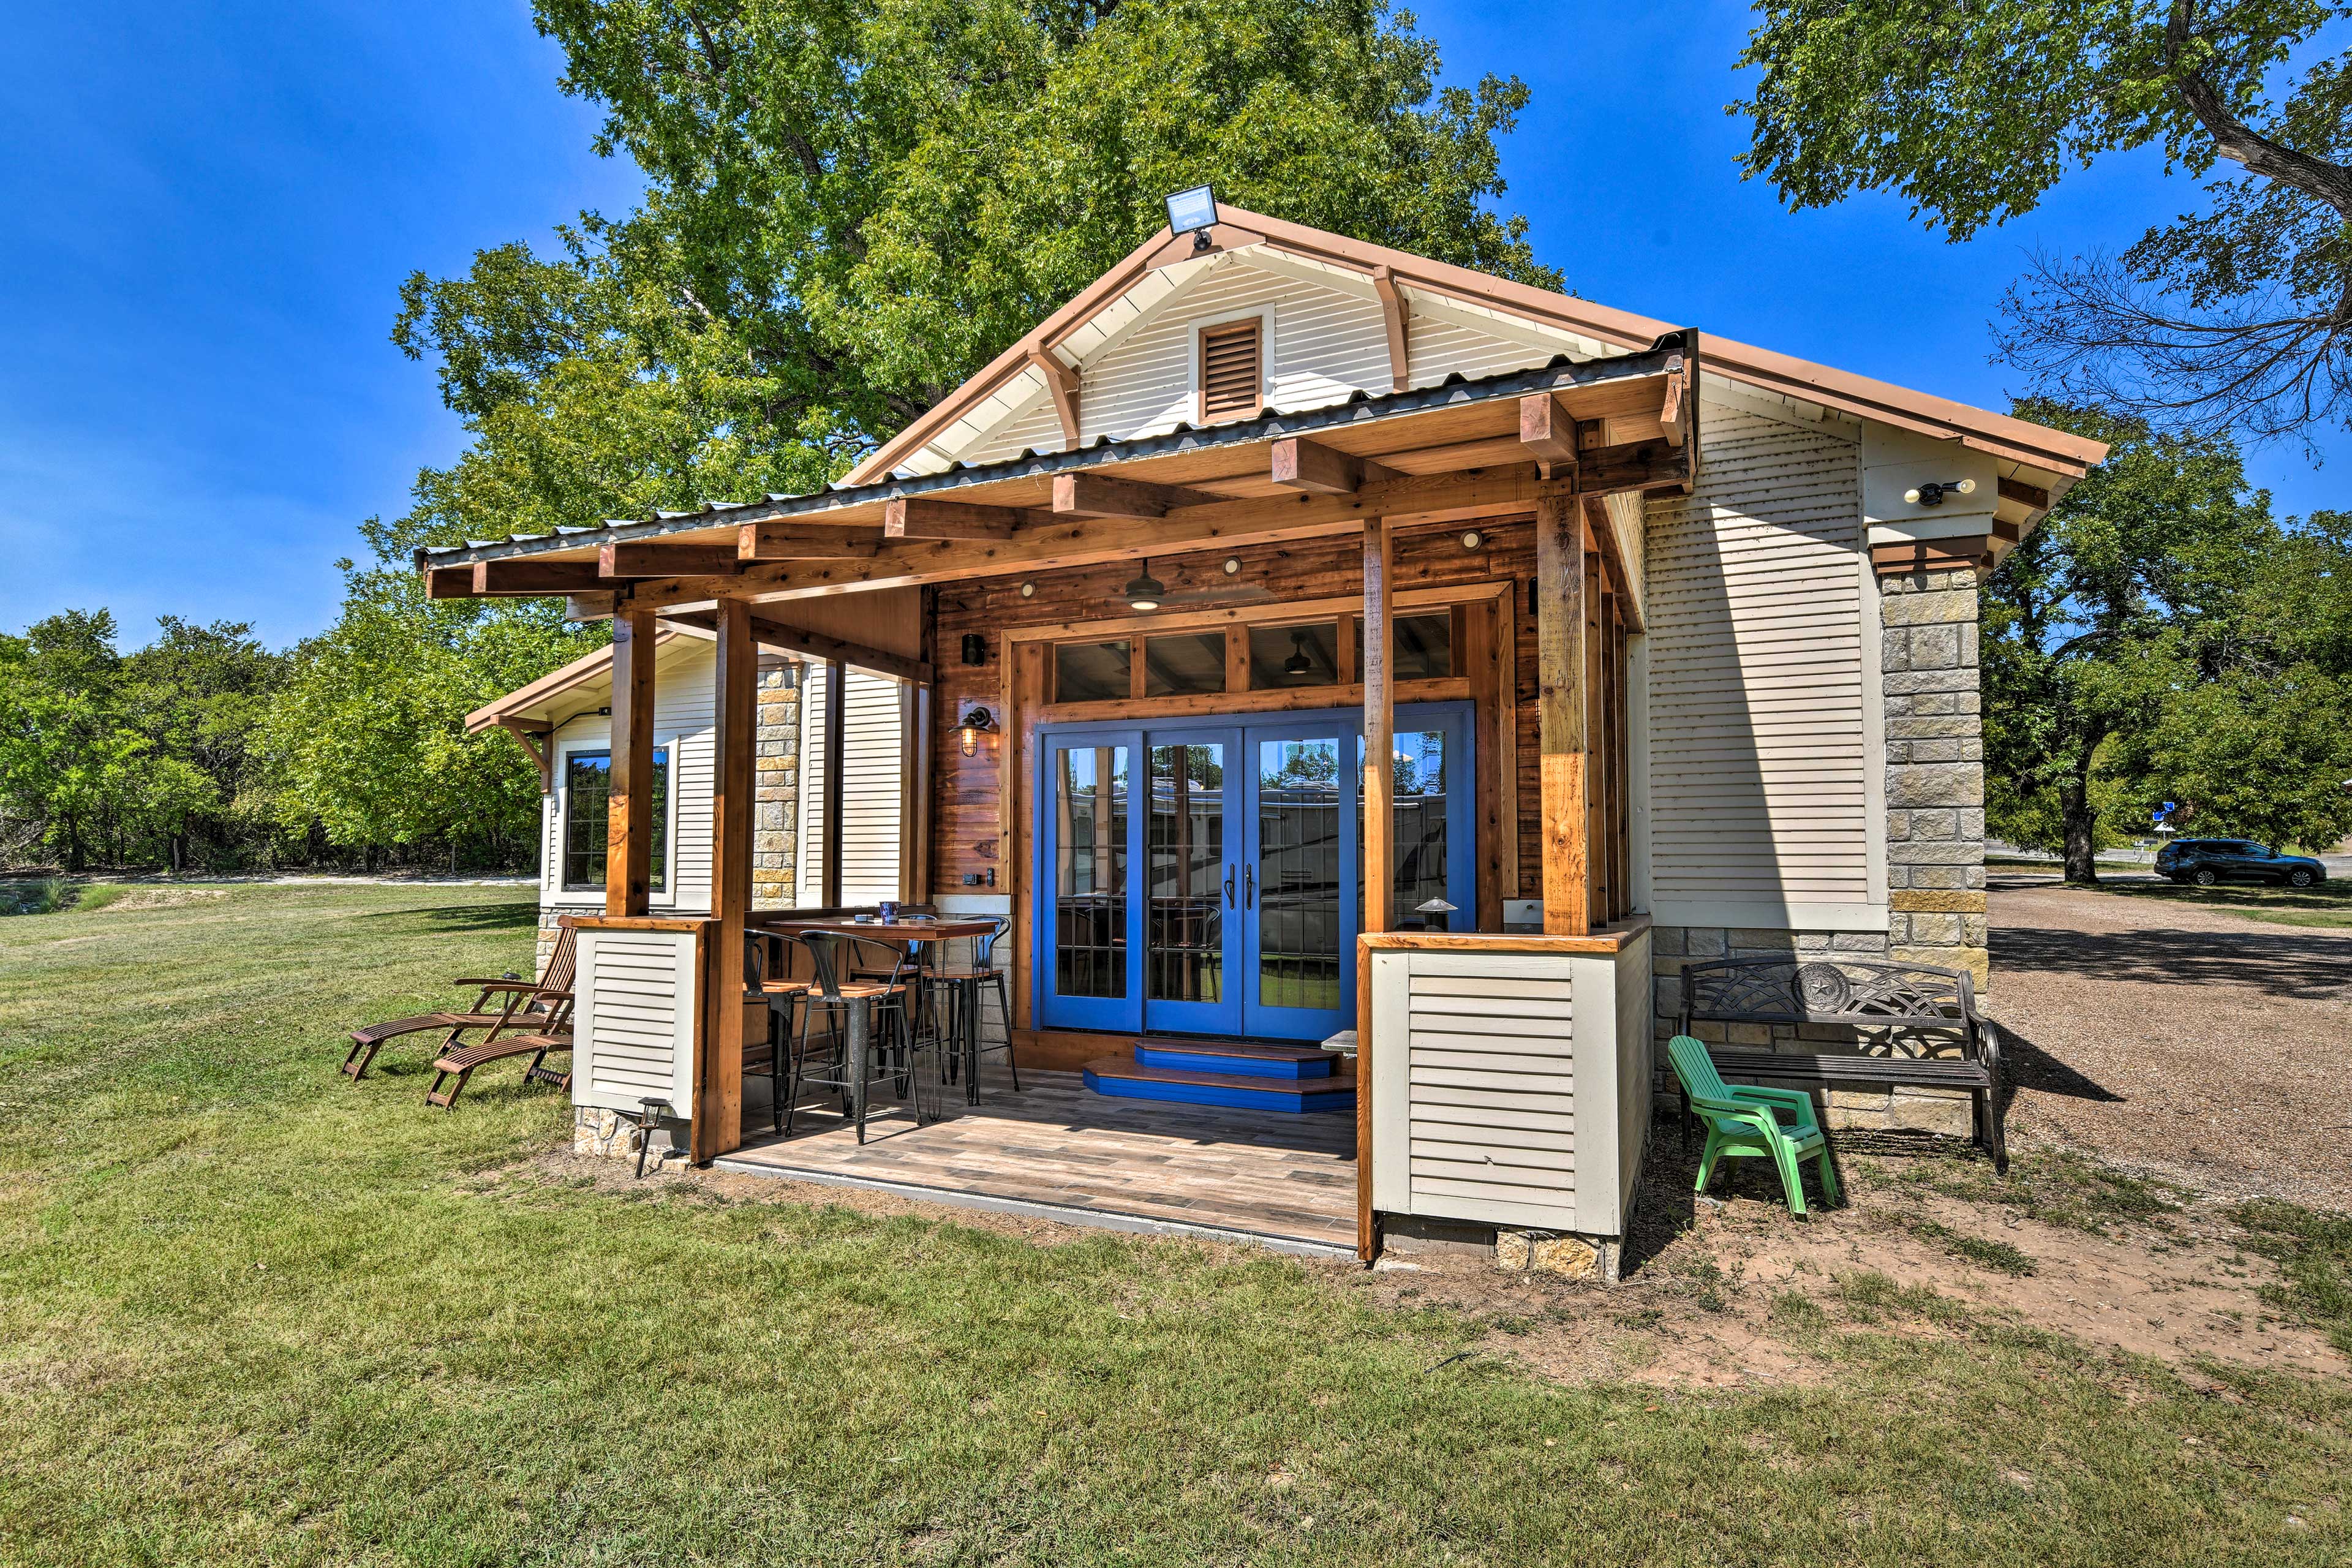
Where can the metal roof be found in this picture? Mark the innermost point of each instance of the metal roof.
(1359, 409)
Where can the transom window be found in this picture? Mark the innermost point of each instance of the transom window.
(587, 815)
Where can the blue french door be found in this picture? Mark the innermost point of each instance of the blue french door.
(1207, 878)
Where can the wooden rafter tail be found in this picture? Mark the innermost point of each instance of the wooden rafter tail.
(448, 583)
(1547, 429)
(915, 517)
(529, 579)
(1300, 463)
(1670, 412)
(1104, 495)
(804, 541)
(653, 558)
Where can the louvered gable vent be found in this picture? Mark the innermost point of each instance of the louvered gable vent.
(1233, 371)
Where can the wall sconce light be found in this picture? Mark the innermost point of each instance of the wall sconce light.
(1933, 494)
(976, 723)
(976, 649)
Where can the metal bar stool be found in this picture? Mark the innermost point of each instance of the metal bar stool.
(964, 988)
(858, 1012)
(782, 997)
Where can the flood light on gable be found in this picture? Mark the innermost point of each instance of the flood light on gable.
(1194, 211)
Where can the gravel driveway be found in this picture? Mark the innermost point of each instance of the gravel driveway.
(2185, 1041)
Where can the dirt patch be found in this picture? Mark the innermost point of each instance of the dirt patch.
(2189, 1042)
(139, 898)
(1733, 1292)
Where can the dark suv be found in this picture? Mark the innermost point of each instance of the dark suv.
(2205, 861)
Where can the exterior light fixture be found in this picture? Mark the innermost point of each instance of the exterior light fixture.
(1232, 563)
(975, 724)
(1028, 590)
(1194, 211)
(1933, 494)
(1298, 663)
(1144, 592)
(1473, 540)
(976, 649)
(1435, 910)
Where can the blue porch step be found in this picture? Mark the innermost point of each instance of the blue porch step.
(1233, 1059)
(1122, 1077)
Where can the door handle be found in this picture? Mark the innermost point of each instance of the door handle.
(1249, 887)
(1229, 885)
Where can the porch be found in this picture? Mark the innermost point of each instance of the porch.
(1426, 607)
(1052, 1150)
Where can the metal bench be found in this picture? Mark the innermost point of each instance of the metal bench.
(1897, 1000)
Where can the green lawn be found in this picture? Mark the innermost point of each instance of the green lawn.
(251, 1314)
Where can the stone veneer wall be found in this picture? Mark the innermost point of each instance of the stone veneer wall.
(1935, 851)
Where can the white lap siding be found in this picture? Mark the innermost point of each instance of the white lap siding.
(874, 765)
(1764, 759)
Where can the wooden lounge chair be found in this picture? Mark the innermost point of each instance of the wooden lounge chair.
(555, 1035)
(528, 1005)
(1745, 1121)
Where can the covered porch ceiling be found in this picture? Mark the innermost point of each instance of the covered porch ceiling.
(1466, 450)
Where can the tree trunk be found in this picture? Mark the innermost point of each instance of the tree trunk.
(2074, 814)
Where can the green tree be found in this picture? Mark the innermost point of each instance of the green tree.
(2093, 625)
(2240, 314)
(199, 694)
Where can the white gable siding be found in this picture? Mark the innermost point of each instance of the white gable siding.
(1436, 350)
(1764, 757)
(1038, 428)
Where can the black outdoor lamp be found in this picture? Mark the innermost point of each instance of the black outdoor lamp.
(1144, 592)
(975, 724)
(1299, 664)
(1933, 493)
(1435, 911)
(1194, 211)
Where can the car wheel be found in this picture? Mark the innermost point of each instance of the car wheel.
(2205, 878)
(2300, 877)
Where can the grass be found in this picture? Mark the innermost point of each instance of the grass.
(1998, 1255)
(252, 1314)
(33, 895)
(2057, 1187)
(2314, 1252)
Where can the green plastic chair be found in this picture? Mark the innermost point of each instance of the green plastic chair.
(1743, 1120)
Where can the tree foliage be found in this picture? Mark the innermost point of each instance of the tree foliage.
(2240, 314)
(2161, 638)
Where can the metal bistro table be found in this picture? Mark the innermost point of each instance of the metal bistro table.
(917, 931)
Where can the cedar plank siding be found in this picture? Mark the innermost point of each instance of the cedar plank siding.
(966, 816)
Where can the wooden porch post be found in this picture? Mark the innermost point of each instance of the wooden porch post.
(1560, 589)
(628, 818)
(718, 1069)
(836, 698)
(1380, 842)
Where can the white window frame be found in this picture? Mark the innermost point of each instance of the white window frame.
(555, 893)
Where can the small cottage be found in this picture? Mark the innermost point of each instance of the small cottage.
(1315, 656)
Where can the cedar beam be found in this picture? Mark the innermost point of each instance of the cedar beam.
(1380, 727)
(1300, 463)
(804, 541)
(816, 645)
(540, 752)
(448, 582)
(718, 1123)
(628, 821)
(1560, 589)
(1670, 412)
(836, 730)
(653, 558)
(914, 517)
(1102, 495)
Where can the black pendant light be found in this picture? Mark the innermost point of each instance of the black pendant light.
(1298, 663)
(1144, 592)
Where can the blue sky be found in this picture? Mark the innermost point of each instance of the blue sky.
(215, 205)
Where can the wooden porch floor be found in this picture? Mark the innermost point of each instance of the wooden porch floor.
(1057, 1150)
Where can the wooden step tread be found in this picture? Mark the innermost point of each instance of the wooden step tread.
(1342, 1081)
(1192, 1048)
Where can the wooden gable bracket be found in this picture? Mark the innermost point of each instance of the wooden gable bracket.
(1062, 381)
(1300, 463)
(804, 541)
(1560, 447)
(536, 743)
(917, 517)
(1392, 316)
(1101, 495)
(658, 558)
